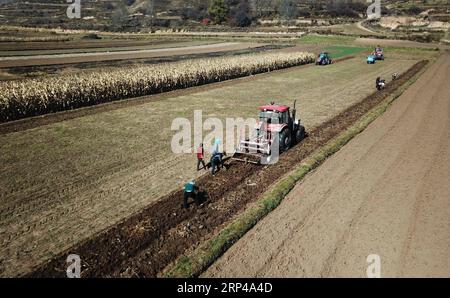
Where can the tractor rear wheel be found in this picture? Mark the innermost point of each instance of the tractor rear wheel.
(285, 140)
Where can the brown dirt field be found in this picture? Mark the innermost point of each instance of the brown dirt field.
(145, 243)
(60, 59)
(80, 44)
(18, 52)
(387, 192)
(65, 181)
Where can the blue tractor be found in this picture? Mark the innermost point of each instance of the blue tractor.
(324, 59)
(371, 59)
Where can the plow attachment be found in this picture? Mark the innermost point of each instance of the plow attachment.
(252, 151)
(248, 157)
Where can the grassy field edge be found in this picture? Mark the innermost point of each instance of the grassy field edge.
(194, 263)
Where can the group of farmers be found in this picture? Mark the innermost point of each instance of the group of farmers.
(191, 190)
(380, 83)
(216, 157)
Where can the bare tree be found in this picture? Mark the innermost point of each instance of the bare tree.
(120, 15)
(288, 9)
(151, 11)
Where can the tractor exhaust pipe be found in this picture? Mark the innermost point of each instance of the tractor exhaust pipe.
(294, 110)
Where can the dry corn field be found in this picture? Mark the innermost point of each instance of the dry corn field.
(21, 99)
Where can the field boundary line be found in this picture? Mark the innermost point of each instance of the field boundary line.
(194, 263)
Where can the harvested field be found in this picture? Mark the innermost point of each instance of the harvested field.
(82, 175)
(145, 243)
(19, 47)
(7, 62)
(17, 50)
(386, 192)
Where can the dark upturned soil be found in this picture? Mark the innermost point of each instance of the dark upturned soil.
(145, 243)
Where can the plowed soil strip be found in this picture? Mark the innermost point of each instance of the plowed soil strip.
(147, 242)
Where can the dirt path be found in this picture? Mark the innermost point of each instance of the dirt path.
(361, 26)
(19, 61)
(385, 193)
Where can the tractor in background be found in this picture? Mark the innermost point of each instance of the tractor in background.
(378, 53)
(371, 59)
(324, 59)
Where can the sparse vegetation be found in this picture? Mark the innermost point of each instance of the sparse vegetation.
(149, 15)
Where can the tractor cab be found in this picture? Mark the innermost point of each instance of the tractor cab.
(274, 115)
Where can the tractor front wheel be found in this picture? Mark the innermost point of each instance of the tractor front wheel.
(285, 140)
(300, 134)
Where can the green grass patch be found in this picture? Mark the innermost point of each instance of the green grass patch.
(197, 261)
(341, 51)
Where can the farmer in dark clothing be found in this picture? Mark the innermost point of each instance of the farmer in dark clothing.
(190, 191)
(216, 161)
(200, 157)
(380, 83)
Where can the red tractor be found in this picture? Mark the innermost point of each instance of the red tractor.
(274, 121)
(378, 53)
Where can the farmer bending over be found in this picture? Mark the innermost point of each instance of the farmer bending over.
(217, 161)
(380, 83)
(190, 191)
